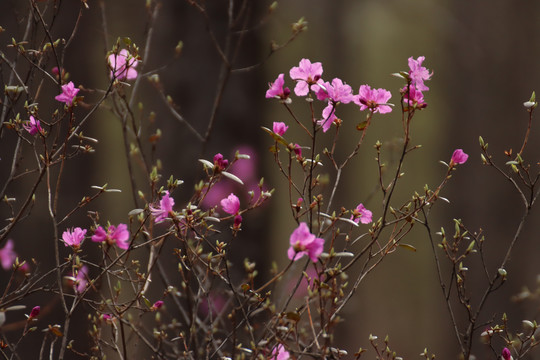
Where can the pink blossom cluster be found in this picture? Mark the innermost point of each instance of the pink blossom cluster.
(118, 235)
(68, 93)
(308, 78)
(412, 92)
(164, 210)
(362, 215)
(303, 242)
(123, 65)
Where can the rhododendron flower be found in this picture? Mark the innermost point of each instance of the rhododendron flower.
(276, 89)
(237, 222)
(304, 243)
(157, 305)
(7, 255)
(231, 204)
(33, 126)
(35, 312)
(329, 116)
(279, 353)
(123, 65)
(68, 93)
(279, 128)
(219, 162)
(373, 99)
(73, 237)
(336, 92)
(418, 73)
(118, 235)
(361, 214)
(306, 74)
(80, 279)
(164, 209)
(297, 150)
(413, 97)
(458, 157)
(506, 355)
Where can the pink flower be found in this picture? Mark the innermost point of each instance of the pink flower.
(34, 312)
(157, 305)
(118, 235)
(418, 73)
(413, 97)
(80, 279)
(123, 65)
(68, 93)
(279, 128)
(335, 92)
(276, 89)
(373, 99)
(329, 116)
(306, 74)
(164, 209)
(304, 243)
(458, 157)
(33, 126)
(7, 255)
(297, 150)
(220, 163)
(231, 204)
(361, 214)
(506, 355)
(279, 353)
(73, 237)
(237, 222)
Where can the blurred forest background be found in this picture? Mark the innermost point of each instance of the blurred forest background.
(485, 57)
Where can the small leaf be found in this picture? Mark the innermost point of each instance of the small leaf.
(361, 126)
(408, 247)
(293, 315)
(232, 177)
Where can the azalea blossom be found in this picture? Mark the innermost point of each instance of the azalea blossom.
(361, 214)
(231, 204)
(297, 150)
(506, 355)
(305, 75)
(373, 99)
(8, 255)
(279, 353)
(35, 312)
(68, 93)
(220, 163)
(81, 279)
(33, 126)
(304, 243)
(163, 211)
(73, 237)
(276, 89)
(279, 128)
(335, 92)
(329, 116)
(458, 157)
(418, 73)
(157, 305)
(413, 97)
(118, 235)
(123, 65)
